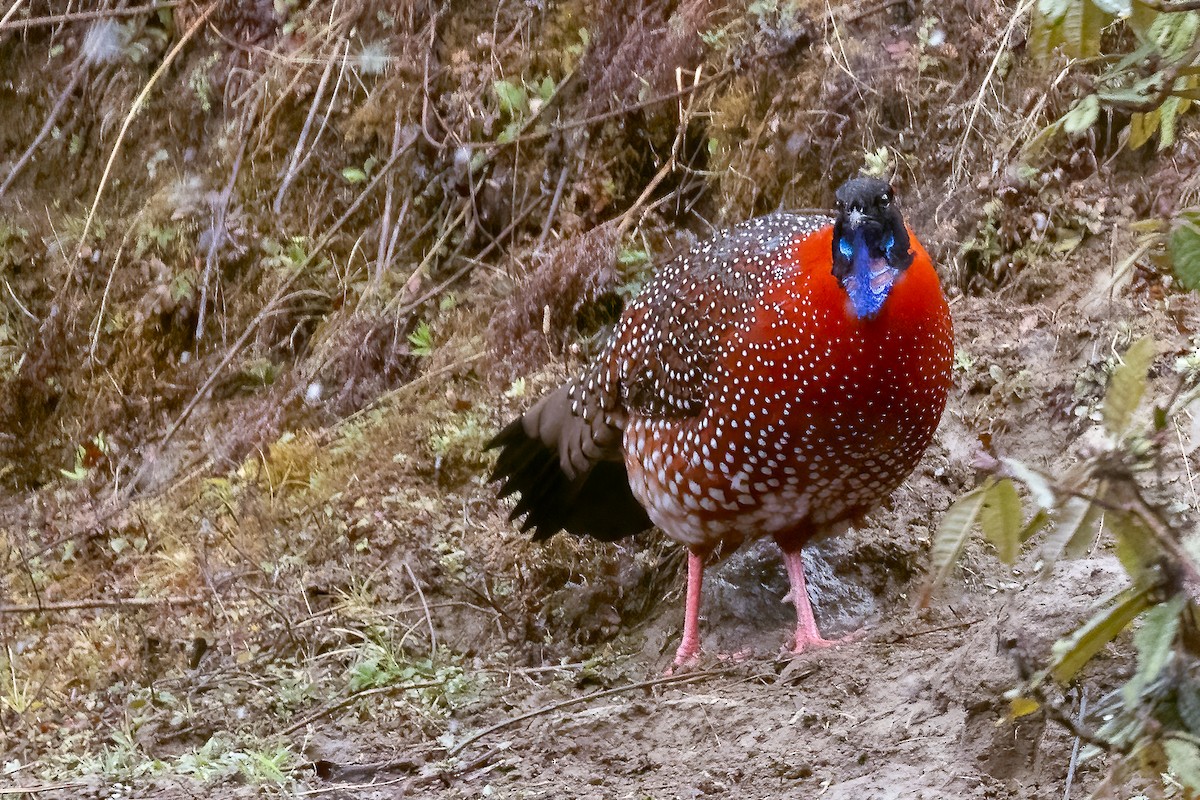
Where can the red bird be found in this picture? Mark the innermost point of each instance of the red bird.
(780, 379)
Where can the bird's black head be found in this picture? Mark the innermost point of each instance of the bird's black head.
(870, 243)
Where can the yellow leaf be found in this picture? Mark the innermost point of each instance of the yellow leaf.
(1141, 128)
(1022, 706)
(1001, 520)
(1127, 385)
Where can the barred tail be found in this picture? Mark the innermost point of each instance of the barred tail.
(569, 472)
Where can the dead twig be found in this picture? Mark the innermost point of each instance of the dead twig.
(1075, 748)
(444, 775)
(685, 116)
(299, 155)
(387, 237)
(948, 627)
(532, 136)
(43, 787)
(425, 606)
(554, 201)
(83, 16)
(219, 230)
(111, 602)
(12, 10)
(875, 9)
(471, 262)
(345, 701)
(269, 309)
(960, 157)
(552, 707)
(77, 73)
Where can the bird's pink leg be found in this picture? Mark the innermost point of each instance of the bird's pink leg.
(807, 635)
(689, 648)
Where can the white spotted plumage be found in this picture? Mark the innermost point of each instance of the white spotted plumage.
(751, 409)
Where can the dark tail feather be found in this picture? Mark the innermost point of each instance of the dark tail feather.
(597, 503)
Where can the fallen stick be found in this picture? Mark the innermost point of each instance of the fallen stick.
(114, 602)
(548, 709)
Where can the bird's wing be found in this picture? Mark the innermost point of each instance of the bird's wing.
(671, 336)
(564, 456)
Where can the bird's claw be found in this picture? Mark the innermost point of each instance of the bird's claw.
(805, 643)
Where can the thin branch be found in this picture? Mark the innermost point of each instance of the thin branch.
(558, 190)
(385, 222)
(1074, 763)
(552, 707)
(866, 12)
(299, 158)
(219, 229)
(471, 262)
(44, 787)
(345, 701)
(77, 73)
(21, 305)
(84, 16)
(425, 606)
(960, 157)
(111, 602)
(12, 10)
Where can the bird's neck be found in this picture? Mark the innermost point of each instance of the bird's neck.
(914, 298)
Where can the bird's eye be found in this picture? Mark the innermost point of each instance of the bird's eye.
(885, 200)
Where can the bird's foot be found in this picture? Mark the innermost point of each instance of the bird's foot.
(683, 663)
(692, 661)
(812, 640)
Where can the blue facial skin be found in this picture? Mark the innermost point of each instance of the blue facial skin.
(865, 300)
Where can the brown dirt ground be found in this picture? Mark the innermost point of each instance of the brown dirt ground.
(353, 614)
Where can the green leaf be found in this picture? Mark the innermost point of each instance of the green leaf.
(1185, 250)
(1070, 654)
(421, 340)
(1081, 29)
(1083, 115)
(1184, 759)
(511, 96)
(354, 175)
(951, 536)
(1127, 386)
(1000, 518)
(1183, 35)
(1188, 703)
(1039, 520)
(546, 88)
(1153, 641)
